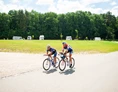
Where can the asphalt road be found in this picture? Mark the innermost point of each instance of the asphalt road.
(92, 73)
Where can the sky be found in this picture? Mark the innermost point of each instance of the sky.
(61, 6)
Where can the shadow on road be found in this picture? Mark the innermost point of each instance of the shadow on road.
(67, 72)
(50, 71)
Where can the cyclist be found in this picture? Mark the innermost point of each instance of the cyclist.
(52, 52)
(68, 50)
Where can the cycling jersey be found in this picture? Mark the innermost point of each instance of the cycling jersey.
(68, 47)
(53, 51)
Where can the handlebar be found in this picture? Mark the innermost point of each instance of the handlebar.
(61, 55)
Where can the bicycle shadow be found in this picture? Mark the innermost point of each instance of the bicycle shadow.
(68, 71)
(50, 71)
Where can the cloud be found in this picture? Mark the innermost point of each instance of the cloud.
(114, 10)
(12, 6)
(59, 6)
(88, 2)
(113, 3)
(63, 6)
(1, 2)
(1, 5)
(8, 7)
(15, 1)
(44, 2)
(52, 8)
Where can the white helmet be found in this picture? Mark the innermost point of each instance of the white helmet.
(48, 46)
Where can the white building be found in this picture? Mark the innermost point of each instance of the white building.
(97, 38)
(17, 38)
(68, 37)
(41, 37)
(29, 38)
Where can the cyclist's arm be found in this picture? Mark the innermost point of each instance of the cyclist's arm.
(63, 49)
(47, 52)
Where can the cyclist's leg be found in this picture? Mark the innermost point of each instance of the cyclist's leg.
(70, 56)
(65, 53)
(55, 55)
(51, 53)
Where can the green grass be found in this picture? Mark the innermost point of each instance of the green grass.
(37, 46)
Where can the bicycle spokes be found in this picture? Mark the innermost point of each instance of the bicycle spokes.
(62, 63)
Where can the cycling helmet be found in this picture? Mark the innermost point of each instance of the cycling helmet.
(48, 46)
(63, 42)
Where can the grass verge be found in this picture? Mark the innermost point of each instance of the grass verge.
(39, 46)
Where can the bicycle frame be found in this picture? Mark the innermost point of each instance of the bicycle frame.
(50, 59)
(62, 56)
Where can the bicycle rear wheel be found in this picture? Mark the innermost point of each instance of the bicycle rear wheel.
(73, 63)
(62, 65)
(46, 64)
(57, 62)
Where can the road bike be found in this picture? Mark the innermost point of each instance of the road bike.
(65, 62)
(48, 62)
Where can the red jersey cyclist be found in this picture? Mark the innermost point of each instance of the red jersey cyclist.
(68, 50)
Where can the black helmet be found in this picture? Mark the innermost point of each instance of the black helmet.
(63, 42)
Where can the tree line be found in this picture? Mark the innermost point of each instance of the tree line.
(79, 25)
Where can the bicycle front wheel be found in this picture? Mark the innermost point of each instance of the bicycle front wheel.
(62, 65)
(46, 64)
(73, 63)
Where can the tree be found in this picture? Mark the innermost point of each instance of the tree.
(116, 29)
(50, 26)
(56, 26)
(4, 25)
(62, 24)
(61, 36)
(76, 34)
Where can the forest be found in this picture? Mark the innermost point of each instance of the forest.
(80, 25)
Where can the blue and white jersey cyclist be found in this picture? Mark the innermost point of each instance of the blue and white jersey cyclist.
(69, 50)
(51, 51)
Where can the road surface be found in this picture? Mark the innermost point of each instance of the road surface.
(92, 73)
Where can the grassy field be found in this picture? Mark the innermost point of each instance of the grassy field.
(37, 46)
